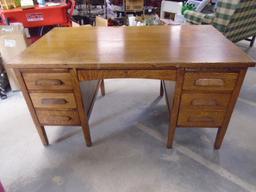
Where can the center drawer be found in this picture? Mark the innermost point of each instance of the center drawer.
(53, 100)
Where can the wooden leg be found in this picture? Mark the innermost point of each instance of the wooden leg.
(161, 89)
(42, 134)
(86, 132)
(39, 127)
(252, 41)
(171, 134)
(80, 107)
(219, 137)
(175, 108)
(223, 129)
(102, 87)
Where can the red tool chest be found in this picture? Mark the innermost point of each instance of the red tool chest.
(38, 16)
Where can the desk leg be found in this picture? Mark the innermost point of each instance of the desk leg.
(39, 127)
(161, 89)
(102, 87)
(42, 134)
(175, 108)
(80, 106)
(222, 130)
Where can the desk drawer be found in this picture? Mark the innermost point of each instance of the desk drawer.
(210, 81)
(196, 118)
(69, 117)
(205, 101)
(48, 81)
(53, 100)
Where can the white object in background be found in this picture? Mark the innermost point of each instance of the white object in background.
(25, 4)
(27, 34)
(51, 4)
(170, 7)
(41, 3)
(200, 5)
(17, 25)
(10, 43)
(179, 19)
(132, 21)
(21, 27)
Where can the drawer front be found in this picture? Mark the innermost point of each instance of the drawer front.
(205, 101)
(48, 81)
(58, 117)
(210, 81)
(53, 100)
(194, 118)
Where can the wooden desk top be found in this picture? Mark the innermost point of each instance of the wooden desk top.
(152, 47)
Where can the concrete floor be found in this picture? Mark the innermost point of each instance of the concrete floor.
(129, 127)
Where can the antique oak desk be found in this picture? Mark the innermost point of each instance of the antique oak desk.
(206, 68)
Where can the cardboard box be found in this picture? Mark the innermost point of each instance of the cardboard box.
(134, 5)
(12, 43)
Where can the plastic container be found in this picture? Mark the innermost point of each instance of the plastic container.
(41, 3)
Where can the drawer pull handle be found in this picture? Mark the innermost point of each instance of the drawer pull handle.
(200, 119)
(209, 82)
(60, 118)
(48, 82)
(204, 102)
(53, 101)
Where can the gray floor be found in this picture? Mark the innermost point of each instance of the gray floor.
(129, 151)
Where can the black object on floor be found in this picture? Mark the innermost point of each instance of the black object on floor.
(4, 85)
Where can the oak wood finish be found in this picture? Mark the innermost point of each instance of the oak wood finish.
(53, 100)
(174, 112)
(48, 81)
(58, 104)
(223, 128)
(205, 101)
(84, 118)
(47, 117)
(105, 74)
(154, 47)
(102, 87)
(39, 127)
(161, 89)
(197, 118)
(207, 68)
(210, 81)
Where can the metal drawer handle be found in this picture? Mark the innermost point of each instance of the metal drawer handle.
(209, 82)
(48, 82)
(204, 102)
(200, 119)
(53, 101)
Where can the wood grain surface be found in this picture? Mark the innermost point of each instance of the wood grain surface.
(48, 81)
(153, 47)
(53, 100)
